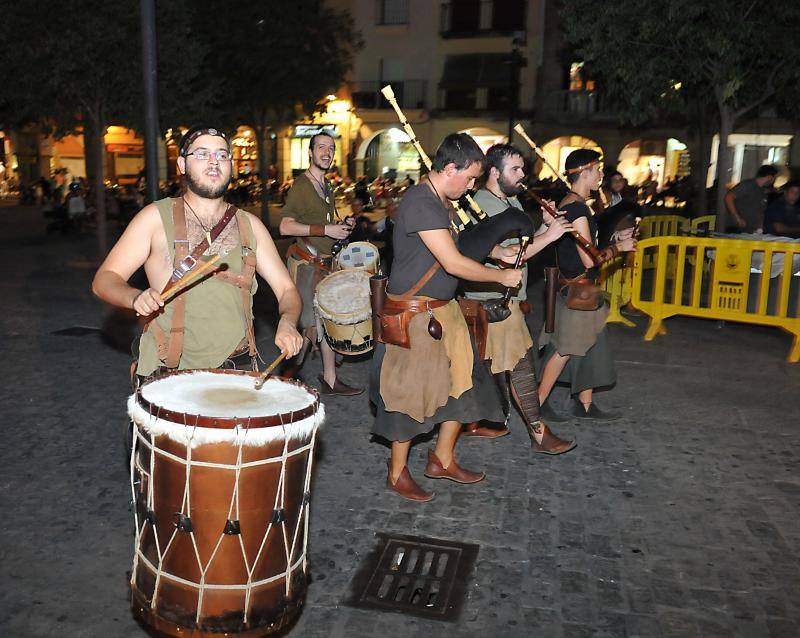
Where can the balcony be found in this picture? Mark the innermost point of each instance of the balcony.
(581, 104)
(478, 18)
(410, 94)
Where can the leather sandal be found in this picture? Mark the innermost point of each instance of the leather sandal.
(551, 444)
(483, 431)
(454, 472)
(406, 486)
(593, 413)
(339, 388)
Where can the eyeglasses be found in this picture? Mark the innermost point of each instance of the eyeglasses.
(203, 154)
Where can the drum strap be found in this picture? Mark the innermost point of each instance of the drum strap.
(170, 347)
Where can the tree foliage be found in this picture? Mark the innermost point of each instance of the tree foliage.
(270, 62)
(83, 72)
(700, 59)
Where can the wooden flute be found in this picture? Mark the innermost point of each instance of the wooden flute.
(586, 245)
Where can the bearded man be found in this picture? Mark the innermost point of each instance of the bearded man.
(209, 325)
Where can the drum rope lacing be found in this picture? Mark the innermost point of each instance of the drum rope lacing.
(141, 440)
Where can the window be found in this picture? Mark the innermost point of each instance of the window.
(461, 16)
(460, 99)
(508, 15)
(392, 11)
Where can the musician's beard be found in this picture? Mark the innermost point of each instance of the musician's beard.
(509, 189)
(207, 191)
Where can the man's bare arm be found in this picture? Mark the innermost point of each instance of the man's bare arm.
(444, 249)
(128, 255)
(730, 204)
(270, 266)
(290, 227)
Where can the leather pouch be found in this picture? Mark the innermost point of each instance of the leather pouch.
(477, 323)
(583, 295)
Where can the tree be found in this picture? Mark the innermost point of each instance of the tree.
(270, 62)
(715, 63)
(84, 73)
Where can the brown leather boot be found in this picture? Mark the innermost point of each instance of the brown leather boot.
(551, 444)
(483, 431)
(454, 472)
(406, 486)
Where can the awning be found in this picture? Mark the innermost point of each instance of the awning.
(473, 70)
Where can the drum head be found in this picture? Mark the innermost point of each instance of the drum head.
(225, 399)
(359, 254)
(343, 296)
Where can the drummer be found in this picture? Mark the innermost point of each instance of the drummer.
(210, 325)
(435, 381)
(508, 342)
(309, 215)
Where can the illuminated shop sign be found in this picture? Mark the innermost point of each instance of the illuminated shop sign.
(309, 130)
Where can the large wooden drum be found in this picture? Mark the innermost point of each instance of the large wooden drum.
(220, 474)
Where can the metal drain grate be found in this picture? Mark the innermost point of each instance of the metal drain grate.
(413, 575)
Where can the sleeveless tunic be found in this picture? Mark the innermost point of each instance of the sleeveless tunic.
(215, 323)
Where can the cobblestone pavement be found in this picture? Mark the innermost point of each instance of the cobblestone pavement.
(681, 519)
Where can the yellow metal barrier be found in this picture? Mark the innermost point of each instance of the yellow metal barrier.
(658, 226)
(747, 281)
(706, 222)
(617, 287)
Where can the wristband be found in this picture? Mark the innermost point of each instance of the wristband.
(316, 230)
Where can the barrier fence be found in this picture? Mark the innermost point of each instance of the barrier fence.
(751, 282)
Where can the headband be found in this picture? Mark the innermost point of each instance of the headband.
(582, 167)
(186, 142)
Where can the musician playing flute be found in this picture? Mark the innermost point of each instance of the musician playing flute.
(210, 324)
(578, 351)
(508, 342)
(437, 379)
(309, 216)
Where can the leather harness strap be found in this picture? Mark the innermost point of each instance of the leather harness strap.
(297, 252)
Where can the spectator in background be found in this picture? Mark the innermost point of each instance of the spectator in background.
(746, 201)
(782, 216)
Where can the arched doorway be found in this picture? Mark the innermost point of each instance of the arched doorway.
(389, 153)
(658, 160)
(485, 137)
(557, 150)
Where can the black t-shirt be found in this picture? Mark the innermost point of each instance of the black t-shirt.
(569, 259)
(419, 210)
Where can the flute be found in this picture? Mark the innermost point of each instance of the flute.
(388, 93)
(588, 247)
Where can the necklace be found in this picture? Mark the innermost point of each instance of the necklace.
(322, 185)
(207, 231)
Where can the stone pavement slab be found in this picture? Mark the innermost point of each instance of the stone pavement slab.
(681, 519)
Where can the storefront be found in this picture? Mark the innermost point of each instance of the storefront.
(391, 154)
(295, 155)
(749, 151)
(660, 160)
(556, 151)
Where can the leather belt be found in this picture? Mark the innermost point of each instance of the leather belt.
(396, 306)
(320, 262)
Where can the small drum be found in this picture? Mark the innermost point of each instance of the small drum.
(361, 255)
(220, 474)
(342, 303)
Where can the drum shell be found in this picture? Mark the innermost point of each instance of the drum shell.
(340, 336)
(349, 330)
(163, 461)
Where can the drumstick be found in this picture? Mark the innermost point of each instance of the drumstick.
(263, 376)
(188, 278)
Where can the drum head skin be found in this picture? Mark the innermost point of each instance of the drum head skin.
(343, 296)
(359, 254)
(211, 406)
